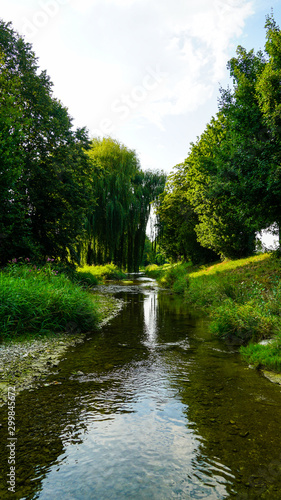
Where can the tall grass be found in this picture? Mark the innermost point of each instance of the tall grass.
(91, 275)
(176, 278)
(38, 300)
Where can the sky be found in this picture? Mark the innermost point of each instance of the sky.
(145, 73)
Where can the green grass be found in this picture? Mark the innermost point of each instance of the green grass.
(264, 356)
(242, 322)
(154, 271)
(176, 278)
(172, 276)
(241, 297)
(91, 275)
(39, 301)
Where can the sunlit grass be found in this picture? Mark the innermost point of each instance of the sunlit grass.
(94, 274)
(230, 265)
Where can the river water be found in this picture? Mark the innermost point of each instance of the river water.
(151, 407)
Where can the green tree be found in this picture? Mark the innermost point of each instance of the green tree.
(221, 223)
(177, 221)
(116, 223)
(229, 163)
(147, 187)
(114, 167)
(45, 173)
(269, 97)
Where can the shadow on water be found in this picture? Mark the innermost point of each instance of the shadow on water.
(150, 407)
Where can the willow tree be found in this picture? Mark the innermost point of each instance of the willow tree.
(116, 222)
(147, 187)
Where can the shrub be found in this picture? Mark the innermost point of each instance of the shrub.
(176, 278)
(154, 271)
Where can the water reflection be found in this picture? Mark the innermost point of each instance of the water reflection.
(150, 306)
(159, 411)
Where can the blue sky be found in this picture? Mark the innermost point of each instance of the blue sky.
(146, 73)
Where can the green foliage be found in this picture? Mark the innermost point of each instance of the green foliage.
(93, 274)
(40, 301)
(61, 196)
(260, 355)
(171, 276)
(156, 272)
(243, 299)
(231, 180)
(45, 178)
(242, 322)
(152, 253)
(222, 225)
(176, 278)
(177, 221)
(116, 223)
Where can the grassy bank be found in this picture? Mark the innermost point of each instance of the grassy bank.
(47, 299)
(243, 300)
(92, 275)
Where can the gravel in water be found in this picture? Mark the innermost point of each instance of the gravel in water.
(24, 364)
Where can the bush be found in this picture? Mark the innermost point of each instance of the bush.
(154, 271)
(86, 277)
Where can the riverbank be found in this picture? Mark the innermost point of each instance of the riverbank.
(242, 299)
(25, 363)
(45, 309)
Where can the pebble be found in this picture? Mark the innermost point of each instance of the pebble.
(24, 363)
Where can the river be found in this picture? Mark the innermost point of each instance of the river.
(149, 408)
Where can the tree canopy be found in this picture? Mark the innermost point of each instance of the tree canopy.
(62, 195)
(46, 180)
(116, 223)
(230, 183)
(68, 197)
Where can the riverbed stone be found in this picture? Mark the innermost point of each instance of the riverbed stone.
(25, 363)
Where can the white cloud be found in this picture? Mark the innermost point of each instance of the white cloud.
(132, 63)
(189, 42)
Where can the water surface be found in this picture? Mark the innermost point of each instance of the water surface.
(150, 407)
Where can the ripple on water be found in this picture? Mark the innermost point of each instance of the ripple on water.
(151, 407)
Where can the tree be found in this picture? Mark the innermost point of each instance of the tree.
(221, 223)
(177, 221)
(114, 167)
(45, 173)
(269, 97)
(116, 223)
(14, 226)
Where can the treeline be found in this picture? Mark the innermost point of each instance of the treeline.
(229, 186)
(62, 195)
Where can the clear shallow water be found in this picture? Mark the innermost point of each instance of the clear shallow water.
(162, 411)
